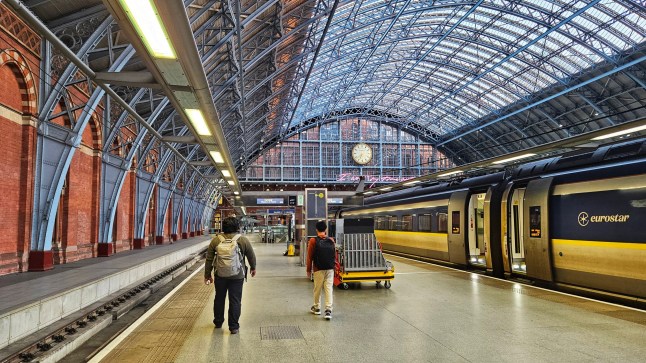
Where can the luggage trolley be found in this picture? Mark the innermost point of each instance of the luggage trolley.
(360, 259)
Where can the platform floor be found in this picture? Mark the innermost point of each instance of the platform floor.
(431, 314)
(18, 290)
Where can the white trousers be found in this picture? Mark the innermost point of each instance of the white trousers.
(323, 279)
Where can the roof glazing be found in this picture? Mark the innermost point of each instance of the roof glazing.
(446, 64)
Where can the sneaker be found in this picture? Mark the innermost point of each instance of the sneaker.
(315, 310)
(234, 331)
(328, 315)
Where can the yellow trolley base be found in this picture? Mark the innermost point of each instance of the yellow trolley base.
(344, 278)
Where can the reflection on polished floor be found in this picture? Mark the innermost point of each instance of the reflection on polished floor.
(431, 314)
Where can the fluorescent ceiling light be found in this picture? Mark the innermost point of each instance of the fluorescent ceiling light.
(411, 182)
(450, 173)
(225, 173)
(231, 182)
(623, 132)
(236, 193)
(217, 157)
(198, 122)
(513, 158)
(385, 189)
(369, 192)
(144, 17)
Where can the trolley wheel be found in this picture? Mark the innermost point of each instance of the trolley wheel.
(344, 286)
(387, 284)
(378, 284)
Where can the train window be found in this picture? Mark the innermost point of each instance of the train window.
(442, 223)
(407, 223)
(381, 222)
(392, 223)
(424, 221)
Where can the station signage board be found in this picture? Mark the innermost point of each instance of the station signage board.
(270, 201)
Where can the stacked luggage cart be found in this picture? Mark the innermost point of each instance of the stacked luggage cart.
(360, 259)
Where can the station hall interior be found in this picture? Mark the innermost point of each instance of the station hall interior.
(495, 149)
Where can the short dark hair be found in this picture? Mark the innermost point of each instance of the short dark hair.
(321, 226)
(230, 225)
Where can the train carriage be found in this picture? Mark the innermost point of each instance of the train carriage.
(573, 222)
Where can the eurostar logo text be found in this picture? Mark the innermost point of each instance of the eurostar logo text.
(584, 219)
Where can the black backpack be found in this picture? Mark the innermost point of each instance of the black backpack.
(324, 253)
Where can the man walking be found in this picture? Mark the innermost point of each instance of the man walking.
(229, 250)
(322, 253)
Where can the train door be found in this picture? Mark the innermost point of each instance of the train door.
(516, 231)
(476, 230)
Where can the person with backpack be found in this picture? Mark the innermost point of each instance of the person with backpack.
(229, 251)
(321, 253)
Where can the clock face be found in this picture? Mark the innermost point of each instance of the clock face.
(362, 153)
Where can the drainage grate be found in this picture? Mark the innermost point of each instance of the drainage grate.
(280, 332)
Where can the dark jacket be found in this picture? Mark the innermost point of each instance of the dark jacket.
(245, 248)
(310, 251)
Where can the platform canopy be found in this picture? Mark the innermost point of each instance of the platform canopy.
(477, 79)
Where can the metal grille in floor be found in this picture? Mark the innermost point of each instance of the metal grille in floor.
(280, 332)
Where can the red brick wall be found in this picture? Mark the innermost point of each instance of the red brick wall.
(16, 184)
(80, 205)
(125, 214)
(18, 140)
(169, 220)
(10, 88)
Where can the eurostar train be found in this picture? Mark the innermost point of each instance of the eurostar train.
(574, 222)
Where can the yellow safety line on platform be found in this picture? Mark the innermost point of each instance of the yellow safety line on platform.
(113, 344)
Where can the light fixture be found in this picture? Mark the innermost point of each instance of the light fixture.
(231, 182)
(411, 182)
(369, 192)
(144, 17)
(217, 156)
(450, 173)
(225, 173)
(618, 133)
(514, 158)
(236, 193)
(198, 122)
(385, 189)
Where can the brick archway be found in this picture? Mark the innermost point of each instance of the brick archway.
(25, 79)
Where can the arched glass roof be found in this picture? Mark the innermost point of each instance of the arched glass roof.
(446, 64)
(476, 79)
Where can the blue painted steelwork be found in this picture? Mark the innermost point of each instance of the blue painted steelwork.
(55, 148)
(553, 96)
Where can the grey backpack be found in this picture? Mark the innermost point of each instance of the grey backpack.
(228, 262)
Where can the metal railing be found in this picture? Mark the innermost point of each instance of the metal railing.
(361, 252)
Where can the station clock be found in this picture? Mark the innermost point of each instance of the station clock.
(362, 153)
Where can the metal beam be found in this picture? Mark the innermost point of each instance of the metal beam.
(565, 91)
(141, 79)
(188, 139)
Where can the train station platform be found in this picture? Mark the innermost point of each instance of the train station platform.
(431, 314)
(33, 305)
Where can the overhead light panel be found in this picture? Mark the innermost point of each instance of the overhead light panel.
(513, 158)
(411, 182)
(217, 156)
(231, 182)
(144, 17)
(385, 189)
(450, 173)
(225, 173)
(619, 133)
(197, 120)
(369, 192)
(236, 193)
